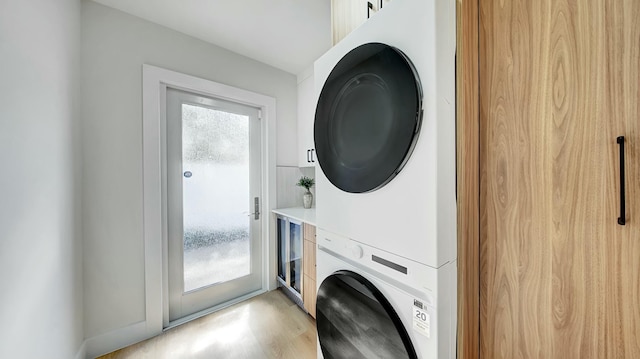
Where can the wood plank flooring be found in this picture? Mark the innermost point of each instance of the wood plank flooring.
(267, 326)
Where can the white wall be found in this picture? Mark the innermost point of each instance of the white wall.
(288, 193)
(40, 247)
(114, 47)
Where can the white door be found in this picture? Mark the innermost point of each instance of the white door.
(213, 195)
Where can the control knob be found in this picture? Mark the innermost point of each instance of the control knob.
(356, 251)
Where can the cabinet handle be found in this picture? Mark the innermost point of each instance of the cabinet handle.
(381, 1)
(622, 218)
(369, 8)
(313, 151)
(308, 156)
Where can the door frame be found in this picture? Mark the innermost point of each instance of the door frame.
(468, 177)
(154, 83)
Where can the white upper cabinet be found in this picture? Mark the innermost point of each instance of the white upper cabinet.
(306, 114)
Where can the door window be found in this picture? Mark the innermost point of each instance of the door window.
(215, 194)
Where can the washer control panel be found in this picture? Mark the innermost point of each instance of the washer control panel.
(392, 265)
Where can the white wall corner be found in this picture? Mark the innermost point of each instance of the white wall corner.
(304, 74)
(82, 351)
(116, 339)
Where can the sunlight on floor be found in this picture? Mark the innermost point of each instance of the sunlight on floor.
(267, 326)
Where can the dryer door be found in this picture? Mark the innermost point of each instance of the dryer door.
(355, 320)
(368, 118)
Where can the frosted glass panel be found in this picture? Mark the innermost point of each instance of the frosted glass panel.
(215, 162)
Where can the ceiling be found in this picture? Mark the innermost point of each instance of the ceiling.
(287, 34)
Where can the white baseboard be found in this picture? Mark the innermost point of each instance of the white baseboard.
(117, 339)
(82, 351)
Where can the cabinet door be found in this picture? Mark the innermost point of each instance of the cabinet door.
(310, 233)
(559, 275)
(309, 295)
(310, 259)
(306, 115)
(346, 15)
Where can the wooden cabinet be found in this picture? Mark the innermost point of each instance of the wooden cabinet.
(559, 272)
(309, 258)
(309, 270)
(309, 296)
(306, 114)
(346, 15)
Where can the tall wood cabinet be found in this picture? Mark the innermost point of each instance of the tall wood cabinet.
(346, 15)
(559, 271)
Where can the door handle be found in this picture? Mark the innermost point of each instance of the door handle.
(256, 208)
(187, 174)
(622, 218)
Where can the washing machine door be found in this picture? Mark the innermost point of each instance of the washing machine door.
(355, 320)
(368, 118)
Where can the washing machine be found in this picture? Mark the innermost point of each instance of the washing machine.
(384, 133)
(374, 304)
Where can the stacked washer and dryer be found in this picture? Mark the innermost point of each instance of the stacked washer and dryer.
(386, 216)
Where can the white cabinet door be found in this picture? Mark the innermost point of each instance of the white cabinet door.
(306, 115)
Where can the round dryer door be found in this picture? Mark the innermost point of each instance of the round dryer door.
(368, 118)
(355, 320)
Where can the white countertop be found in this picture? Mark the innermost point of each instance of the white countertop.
(301, 214)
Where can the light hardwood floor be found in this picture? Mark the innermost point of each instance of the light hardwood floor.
(267, 326)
